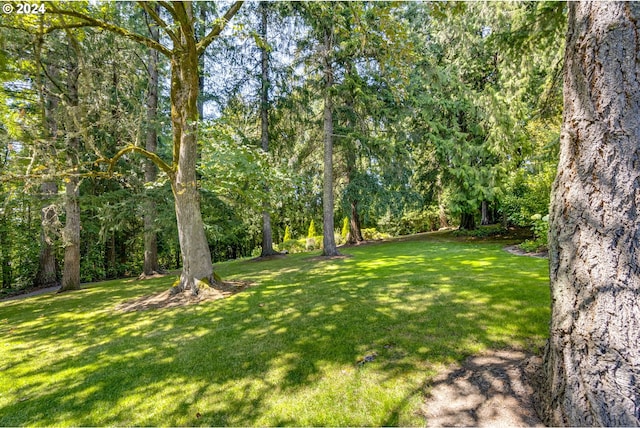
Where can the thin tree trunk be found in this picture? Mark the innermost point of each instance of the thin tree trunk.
(267, 238)
(328, 239)
(485, 214)
(151, 264)
(592, 359)
(5, 253)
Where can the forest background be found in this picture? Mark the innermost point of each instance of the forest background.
(395, 117)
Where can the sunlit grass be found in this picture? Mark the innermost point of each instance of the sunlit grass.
(284, 352)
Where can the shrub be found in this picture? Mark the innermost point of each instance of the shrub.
(371, 234)
(312, 230)
(293, 245)
(287, 234)
(345, 229)
(540, 230)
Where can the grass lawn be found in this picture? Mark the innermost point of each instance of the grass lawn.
(284, 352)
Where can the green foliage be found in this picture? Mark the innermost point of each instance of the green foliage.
(283, 352)
(287, 234)
(482, 231)
(540, 230)
(294, 245)
(312, 230)
(345, 229)
(528, 194)
(371, 234)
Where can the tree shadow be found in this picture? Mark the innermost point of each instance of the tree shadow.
(267, 355)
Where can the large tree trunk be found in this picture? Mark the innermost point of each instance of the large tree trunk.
(592, 359)
(47, 275)
(267, 238)
(328, 239)
(151, 264)
(71, 232)
(197, 268)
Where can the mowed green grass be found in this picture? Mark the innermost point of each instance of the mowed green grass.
(284, 352)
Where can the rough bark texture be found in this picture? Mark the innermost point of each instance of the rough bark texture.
(267, 238)
(151, 264)
(47, 275)
(328, 239)
(592, 360)
(196, 257)
(71, 231)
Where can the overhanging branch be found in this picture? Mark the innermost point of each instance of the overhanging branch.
(161, 23)
(113, 28)
(153, 157)
(218, 27)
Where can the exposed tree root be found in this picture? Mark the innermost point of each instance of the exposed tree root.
(170, 299)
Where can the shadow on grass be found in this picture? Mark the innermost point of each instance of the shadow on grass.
(282, 353)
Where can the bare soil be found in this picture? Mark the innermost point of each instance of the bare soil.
(515, 249)
(167, 300)
(489, 390)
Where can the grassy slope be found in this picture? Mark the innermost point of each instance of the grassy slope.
(281, 353)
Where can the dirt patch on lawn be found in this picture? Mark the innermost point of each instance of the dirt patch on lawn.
(167, 300)
(493, 389)
(515, 249)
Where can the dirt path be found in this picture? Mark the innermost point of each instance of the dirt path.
(489, 390)
(32, 293)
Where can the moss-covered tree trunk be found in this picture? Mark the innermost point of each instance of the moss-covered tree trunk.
(196, 257)
(592, 360)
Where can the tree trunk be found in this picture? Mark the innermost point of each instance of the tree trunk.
(485, 214)
(71, 232)
(467, 221)
(47, 275)
(328, 239)
(267, 237)
(151, 264)
(592, 359)
(355, 231)
(197, 268)
(5, 252)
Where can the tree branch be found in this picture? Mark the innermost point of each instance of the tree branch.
(66, 27)
(153, 157)
(113, 28)
(161, 23)
(218, 27)
(169, 8)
